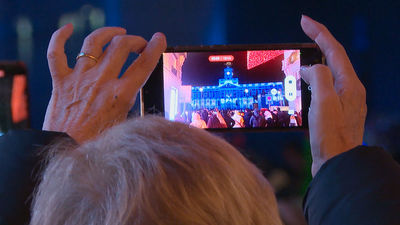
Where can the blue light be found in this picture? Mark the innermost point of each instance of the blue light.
(217, 28)
(113, 12)
(230, 94)
(228, 73)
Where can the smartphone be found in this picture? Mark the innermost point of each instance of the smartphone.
(14, 108)
(232, 87)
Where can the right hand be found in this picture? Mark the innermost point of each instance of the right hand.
(338, 100)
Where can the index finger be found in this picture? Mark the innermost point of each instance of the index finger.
(336, 56)
(56, 57)
(138, 73)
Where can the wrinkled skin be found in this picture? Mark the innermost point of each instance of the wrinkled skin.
(338, 100)
(89, 98)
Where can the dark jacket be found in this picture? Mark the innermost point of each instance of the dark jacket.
(246, 118)
(361, 186)
(19, 167)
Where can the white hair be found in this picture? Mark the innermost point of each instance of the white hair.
(153, 171)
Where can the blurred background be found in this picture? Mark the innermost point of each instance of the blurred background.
(367, 29)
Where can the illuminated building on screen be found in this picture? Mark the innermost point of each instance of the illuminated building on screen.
(230, 94)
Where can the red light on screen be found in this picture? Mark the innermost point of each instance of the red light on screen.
(2, 74)
(221, 58)
(256, 58)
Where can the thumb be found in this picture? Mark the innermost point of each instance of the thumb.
(305, 73)
(320, 78)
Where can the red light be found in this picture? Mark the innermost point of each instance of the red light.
(221, 58)
(256, 58)
(2, 74)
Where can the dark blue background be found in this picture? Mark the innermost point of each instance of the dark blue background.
(197, 70)
(369, 30)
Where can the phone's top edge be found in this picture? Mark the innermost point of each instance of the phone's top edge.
(238, 47)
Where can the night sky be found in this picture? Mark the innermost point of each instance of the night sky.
(198, 71)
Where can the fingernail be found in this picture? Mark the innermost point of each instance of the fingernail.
(305, 16)
(67, 25)
(157, 35)
(160, 37)
(303, 68)
(302, 73)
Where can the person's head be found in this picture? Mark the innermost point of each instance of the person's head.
(153, 171)
(213, 122)
(256, 112)
(195, 116)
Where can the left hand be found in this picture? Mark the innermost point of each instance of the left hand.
(90, 97)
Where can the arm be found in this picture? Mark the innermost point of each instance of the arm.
(352, 184)
(85, 100)
(360, 186)
(19, 165)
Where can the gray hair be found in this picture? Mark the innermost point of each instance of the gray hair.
(153, 171)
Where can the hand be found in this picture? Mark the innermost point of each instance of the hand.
(338, 100)
(90, 97)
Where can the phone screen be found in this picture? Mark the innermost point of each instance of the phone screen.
(233, 89)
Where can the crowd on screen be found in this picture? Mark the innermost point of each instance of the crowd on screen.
(248, 118)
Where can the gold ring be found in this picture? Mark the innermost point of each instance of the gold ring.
(82, 54)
